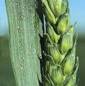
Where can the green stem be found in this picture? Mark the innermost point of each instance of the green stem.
(24, 41)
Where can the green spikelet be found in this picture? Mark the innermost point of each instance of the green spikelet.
(53, 36)
(61, 62)
(50, 16)
(67, 41)
(63, 24)
(57, 76)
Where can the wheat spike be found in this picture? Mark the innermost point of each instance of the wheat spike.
(61, 63)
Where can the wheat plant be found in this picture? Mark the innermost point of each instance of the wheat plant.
(59, 52)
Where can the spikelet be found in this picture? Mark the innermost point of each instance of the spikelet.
(67, 40)
(50, 16)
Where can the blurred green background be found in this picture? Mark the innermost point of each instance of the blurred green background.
(77, 13)
(6, 72)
